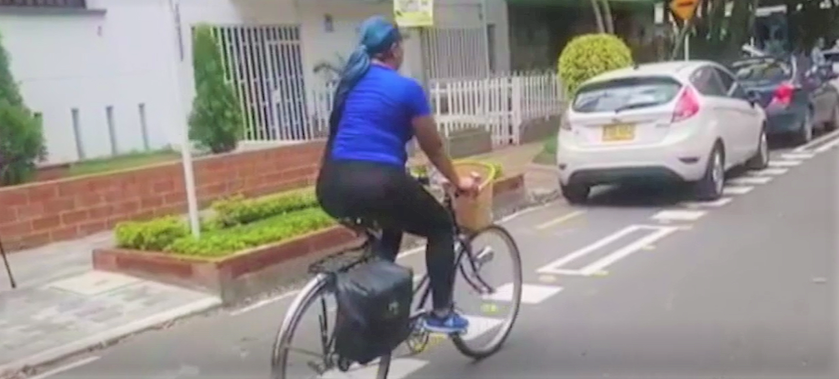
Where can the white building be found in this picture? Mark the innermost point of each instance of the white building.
(115, 76)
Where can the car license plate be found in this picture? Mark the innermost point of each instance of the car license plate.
(618, 132)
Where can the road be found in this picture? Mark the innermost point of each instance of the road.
(637, 284)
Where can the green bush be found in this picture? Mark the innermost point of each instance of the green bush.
(590, 55)
(238, 210)
(238, 238)
(21, 134)
(154, 235)
(216, 119)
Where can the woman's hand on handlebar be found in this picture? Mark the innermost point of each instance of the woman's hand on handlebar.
(468, 185)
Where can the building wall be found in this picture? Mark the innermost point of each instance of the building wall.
(90, 60)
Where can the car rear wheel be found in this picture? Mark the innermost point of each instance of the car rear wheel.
(805, 133)
(833, 124)
(575, 193)
(761, 158)
(710, 187)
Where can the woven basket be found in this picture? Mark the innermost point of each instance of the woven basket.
(475, 213)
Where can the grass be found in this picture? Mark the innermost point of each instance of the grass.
(122, 162)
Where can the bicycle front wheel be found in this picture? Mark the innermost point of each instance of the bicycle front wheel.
(491, 276)
(313, 343)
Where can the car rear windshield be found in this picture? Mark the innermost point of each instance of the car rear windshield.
(763, 71)
(625, 93)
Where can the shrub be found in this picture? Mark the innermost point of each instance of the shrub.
(590, 55)
(238, 210)
(238, 238)
(154, 235)
(21, 134)
(216, 120)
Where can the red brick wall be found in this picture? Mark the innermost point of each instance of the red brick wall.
(39, 213)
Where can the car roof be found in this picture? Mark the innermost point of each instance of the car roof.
(677, 69)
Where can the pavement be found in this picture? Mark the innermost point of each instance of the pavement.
(62, 307)
(639, 283)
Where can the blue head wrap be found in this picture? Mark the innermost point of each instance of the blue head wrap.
(377, 35)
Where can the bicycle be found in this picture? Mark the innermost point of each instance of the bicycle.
(324, 283)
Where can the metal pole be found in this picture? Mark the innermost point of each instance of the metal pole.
(12, 282)
(687, 43)
(485, 24)
(186, 144)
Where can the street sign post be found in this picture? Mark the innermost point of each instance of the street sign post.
(685, 10)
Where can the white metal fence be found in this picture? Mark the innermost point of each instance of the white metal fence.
(501, 104)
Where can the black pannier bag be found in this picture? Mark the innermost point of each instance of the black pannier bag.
(374, 310)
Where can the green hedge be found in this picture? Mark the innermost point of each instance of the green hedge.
(238, 210)
(589, 55)
(270, 230)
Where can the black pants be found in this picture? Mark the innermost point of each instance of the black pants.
(388, 195)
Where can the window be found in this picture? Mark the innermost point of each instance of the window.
(80, 4)
(626, 93)
(707, 83)
(763, 70)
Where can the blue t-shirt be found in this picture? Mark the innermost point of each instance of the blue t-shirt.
(376, 123)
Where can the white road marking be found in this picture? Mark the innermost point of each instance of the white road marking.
(530, 293)
(557, 266)
(798, 156)
(262, 303)
(750, 180)
(787, 163)
(479, 325)
(560, 220)
(769, 172)
(711, 204)
(68, 367)
(399, 368)
(736, 190)
(816, 141)
(602, 263)
(827, 146)
(678, 215)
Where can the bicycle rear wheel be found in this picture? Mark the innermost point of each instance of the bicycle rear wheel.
(471, 267)
(322, 363)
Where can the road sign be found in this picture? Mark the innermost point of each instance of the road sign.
(684, 9)
(413, 13)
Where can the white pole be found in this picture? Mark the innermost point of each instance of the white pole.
(485, 23)
(687, 43)
(186, 144)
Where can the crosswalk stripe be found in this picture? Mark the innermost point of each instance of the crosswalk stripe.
(769, 172)
(798, 156)
(399, 369)
(750, 180)
(736, 190)
(786, 163)
(678, 215)
(478, 325)
(709, 204)
(530, 293)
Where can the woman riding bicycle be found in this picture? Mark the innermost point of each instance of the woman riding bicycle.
(375, 114)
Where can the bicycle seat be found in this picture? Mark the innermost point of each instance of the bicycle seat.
(360, 224)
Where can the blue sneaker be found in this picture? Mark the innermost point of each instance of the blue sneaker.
(452, 323)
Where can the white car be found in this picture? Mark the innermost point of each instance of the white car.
(689, 121)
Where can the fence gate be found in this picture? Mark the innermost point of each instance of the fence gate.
(264, 63)
(455, 53)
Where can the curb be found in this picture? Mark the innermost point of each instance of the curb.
(108, 336)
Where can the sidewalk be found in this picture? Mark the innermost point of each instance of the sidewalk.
(62, 307)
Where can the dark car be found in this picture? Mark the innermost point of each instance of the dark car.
(797, 99)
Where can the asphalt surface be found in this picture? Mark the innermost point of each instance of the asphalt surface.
(614, 288)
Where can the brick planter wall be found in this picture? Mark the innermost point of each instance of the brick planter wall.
(39, 213)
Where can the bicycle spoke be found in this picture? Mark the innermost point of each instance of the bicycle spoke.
(304, 352)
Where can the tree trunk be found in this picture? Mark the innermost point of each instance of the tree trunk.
(608, 21)
(598, 17)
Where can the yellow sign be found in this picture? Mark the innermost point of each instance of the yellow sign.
(684, 9)
(413, 13)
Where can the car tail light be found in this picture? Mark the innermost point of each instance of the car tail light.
(687, 106)
(783, 94)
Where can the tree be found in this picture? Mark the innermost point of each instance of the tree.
(216, 119)
(21, 133)
(603, 17)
